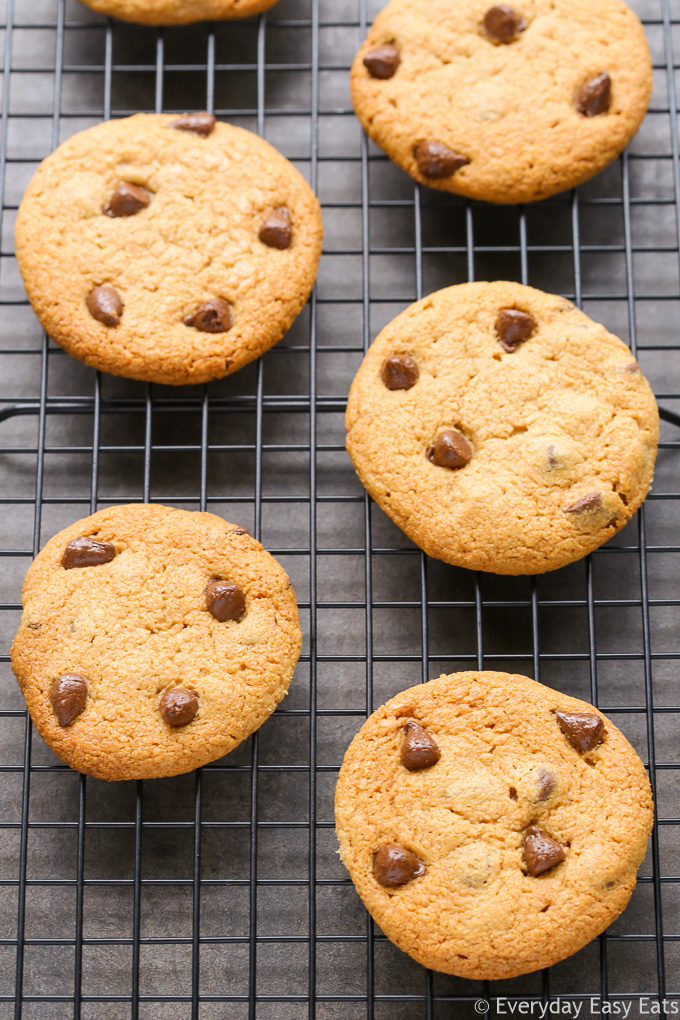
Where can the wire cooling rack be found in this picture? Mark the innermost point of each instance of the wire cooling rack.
(219, 894)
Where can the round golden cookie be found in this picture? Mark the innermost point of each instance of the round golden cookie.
(502, 429)
(491, 825)
(178, 12)
(170, 249)
(153, 640)
(503, 103)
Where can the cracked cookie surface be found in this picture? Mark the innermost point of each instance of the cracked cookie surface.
(508, 117)
(139, 242)
(178, 12)
(513, 848)
(134, 656)
(502, 429)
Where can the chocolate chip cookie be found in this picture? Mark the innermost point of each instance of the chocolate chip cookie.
(165, 248)
(153, 640)
(503, 103)
(178, 12)
(506, 846)
(502, 429)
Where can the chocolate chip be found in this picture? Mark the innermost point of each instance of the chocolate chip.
(277, 230)
(225, 600)
(545, 783)
(213, 316)
(383, 61)
(399, 372)
(104, 304)
(633, 368)
(127, 200)
(513, 327)
(394, 865)
(541, 852)
(68, 695)
(200, 123)
(436, 161)
(582, 729)
(86, 552)
(591, 501)
(595, 96)
(240, 531)
(502, 23)
(178, 706)
(451, 450)
(418, 749)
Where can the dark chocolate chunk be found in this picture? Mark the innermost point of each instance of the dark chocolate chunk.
(437, 161)
(68, 695)
(200, 123)
(595, 96)
(591, 501)
(541, 852)
(418, 749)
(502, 23)
(127, 200)
(213, 316)
(383, 61)
(225, 600)
(513, 327)
(451, 450)
(104, 304)
(277, 230)
(178, 706)
(582, 729)
(546, 783)
(399, 372)
(394, 865)
(86, 552)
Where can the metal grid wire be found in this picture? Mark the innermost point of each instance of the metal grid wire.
(219, 894)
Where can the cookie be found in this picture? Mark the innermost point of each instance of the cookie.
(507, 845)
(153, 640)
(503, 103)
(178, 12)
(502, 429)
(170, 249)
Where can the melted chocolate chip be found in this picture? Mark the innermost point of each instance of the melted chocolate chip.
(451, 450)
(546, 782)
(591, 501)
(502, 23)
(394, 865)
(541, 852)
(127, 200)
(383, 61)
(200, 123)
(68, 695)
(595, 96)
(582, 729)
(277, 230)
(399, 372)
(240, 531)
(178, 706)
(513, 328)
(86, 552)
(418, 749)
(105, 305)
(225, 600)
(213, 316)
(437, 161)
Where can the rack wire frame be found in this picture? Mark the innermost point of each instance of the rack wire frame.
(644, 708)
